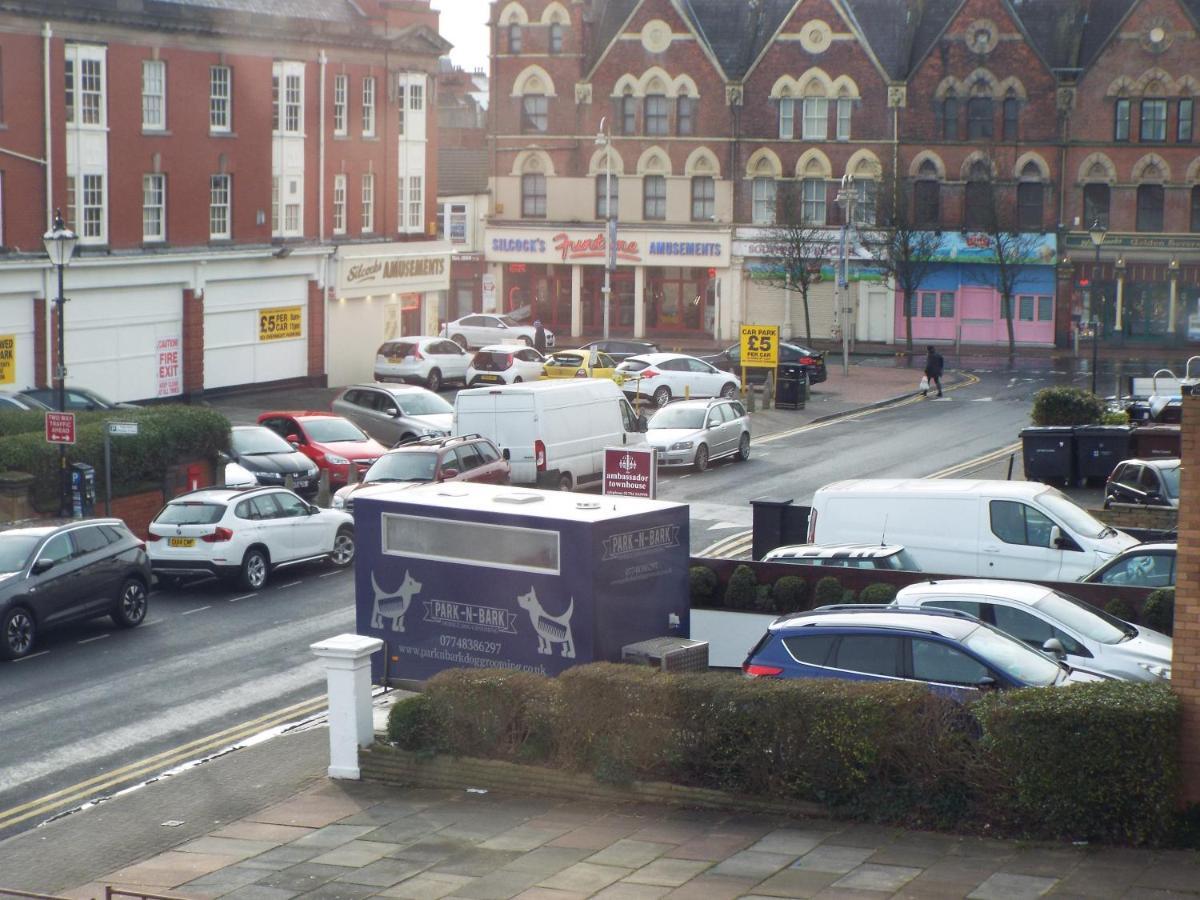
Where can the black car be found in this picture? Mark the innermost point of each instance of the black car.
(271, 459)
(622, 350)
(77, 399)
(729, 360)
(53, 574)
(1147, 482)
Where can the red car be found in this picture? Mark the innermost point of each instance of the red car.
(332, 442)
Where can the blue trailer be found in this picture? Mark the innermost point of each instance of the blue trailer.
(476, 575)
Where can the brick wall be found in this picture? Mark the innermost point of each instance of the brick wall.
(1126, 515)
(193, 342)
(316, 331)
(1185, 668)
(39, 342)
(136, 510)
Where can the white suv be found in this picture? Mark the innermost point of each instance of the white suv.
(428, 361)
(245, 534)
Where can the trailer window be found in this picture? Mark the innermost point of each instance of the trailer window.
(471, 543)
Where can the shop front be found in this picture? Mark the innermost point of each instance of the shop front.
(665, 284)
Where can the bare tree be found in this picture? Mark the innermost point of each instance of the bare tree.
(798, 250)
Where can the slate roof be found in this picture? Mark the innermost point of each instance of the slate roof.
(610, 16)
(462, 171)
(737, 32)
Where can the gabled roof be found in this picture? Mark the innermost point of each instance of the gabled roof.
(1104, 17)
(900, 34)
(1055, 28)
(737, 33)
(611, 17)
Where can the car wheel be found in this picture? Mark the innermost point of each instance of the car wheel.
(701, 460)
(253, 576)
(343, 548)
(729, 391)
(433, 380)
(526, 341)
(565, 482)
(131, 606)
(743, 453)
(662, 396)
(518, 380)
(17, 631)
(460, 340)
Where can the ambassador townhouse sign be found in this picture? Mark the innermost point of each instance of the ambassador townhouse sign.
(386, 269)
(634, 247)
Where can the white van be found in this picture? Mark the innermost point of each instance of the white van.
(551, 426)
(990, 529)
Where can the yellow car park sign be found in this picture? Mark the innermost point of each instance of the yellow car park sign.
(8, 358)
(280, 323)
(760, 346)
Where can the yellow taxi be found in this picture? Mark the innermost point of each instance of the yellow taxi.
(579, 364)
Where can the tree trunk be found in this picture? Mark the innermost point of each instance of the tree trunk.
(1012, 341)
(907, 322)
(807, 319)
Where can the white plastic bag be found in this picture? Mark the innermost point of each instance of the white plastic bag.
(924, 383)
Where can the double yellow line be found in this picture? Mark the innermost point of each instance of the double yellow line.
(977, 463)
(80, 793)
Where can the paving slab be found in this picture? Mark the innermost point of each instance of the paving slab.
(355, 854)
(311, 810)
(332, 836)
(427, 886)
(833, 858)
(1006, 886)
(382, 873)
(712, 887)
(546, 861)
(226, 879)
(796, 841)
(624, 890)
(585, 877)
(261, 892)
(713, 847)
(475, 861)
(499, 885)
(870, 877)
(240, 848)
(171, 868)
(669, 872)
(753, 865)
(340, 890)
(301, 878)
(594, 837)
(796, 883)
(523, 837)
(629, 854)
(249, 830)
(282, 857)
(541, 893)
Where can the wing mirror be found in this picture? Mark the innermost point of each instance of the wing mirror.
(1054, 647)
(1056, 537)
(986, 683)
(313, 509)
(293, 439)
(448, 474)
(643, 424)
(506, 453)
(43, 565)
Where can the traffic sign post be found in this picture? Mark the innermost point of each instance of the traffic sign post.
(60, 428)
(114, 429)
(759, 349)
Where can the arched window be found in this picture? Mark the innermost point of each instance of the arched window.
(764, 201)
(533, 195)
(535, 114)
(1150, 207)
(845, 108)
(950, 116)
(1031, 195)
(556, 37)
(979, 118)
(812, 209)
(654, 197)
(704, 198)
(685, 114)
(1195, 218)
(627, 111)
(1095, 204)
(787, 116)
(1012, 114)
(657, 117)
(514, 37)
(927, 194)
(816, 118)
(979, 205)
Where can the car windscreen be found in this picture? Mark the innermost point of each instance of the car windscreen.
(679, 417)
(1170, 480)
(332, 429)
(1077, 616)
(252, 441)
(900, 560)
(566, 360)
(405, 466)
(397, 349)
(510, 321)
(1074, 517)
(15, 550)
(190, 513)
(423, 404)
(1014, 658)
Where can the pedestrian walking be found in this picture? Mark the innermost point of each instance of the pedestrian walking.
(539, 336)
(934, 364)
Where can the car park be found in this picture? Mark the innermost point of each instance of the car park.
(54, 574)
(480, 329)
(811, 361)
(952, 652)
(1149, 565)
(428, 361)
(77, 399)
(1146, 482)
(696, 432)
(662, 377)
(621, 350)
(579, 364)
(469, 457)
(12, 400)
(245, 534)
(1051, 621)
(395, 413)
(334, 443)
(504, 364)
(886, 557)
(271, 459)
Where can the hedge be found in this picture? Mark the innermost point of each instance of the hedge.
(1091, 762)
(166, 435)
(1066, 406)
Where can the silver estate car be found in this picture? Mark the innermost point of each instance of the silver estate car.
(695, 432)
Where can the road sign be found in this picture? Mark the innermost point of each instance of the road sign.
(60, 427)
(760, 345)
(630, 472)
(123, 429)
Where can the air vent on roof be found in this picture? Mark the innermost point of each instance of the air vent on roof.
(519, 498)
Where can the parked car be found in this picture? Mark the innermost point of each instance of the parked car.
(334, 443)
(504, 364)
(244, 535)
(470, 457)
(77, 399)
(889, 557)
(1048, 620)
(54, 574)
(695, 432)
(12, 400)
(1149, 482)
(664, 376)
(272, 459)
(952, 652)
(812, 361)
(579, 364)
(395, 414)
(1150, 565)
(621, 350)
(429, 361)
(479, 329)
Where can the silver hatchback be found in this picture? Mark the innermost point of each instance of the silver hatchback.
(395, 413)
(695, 432)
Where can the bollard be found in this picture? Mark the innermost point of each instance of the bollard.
(768, 389)
(347, 660)
(352, 473)
(749, 398)
(289, 481)
(687, 392)
(323, 492)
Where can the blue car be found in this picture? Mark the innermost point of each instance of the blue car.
(953, 652)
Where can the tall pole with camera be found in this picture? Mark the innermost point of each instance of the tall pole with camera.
(604, 139)
(60, 246)
(1097, 233)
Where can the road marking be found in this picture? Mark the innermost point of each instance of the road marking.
(243, 597)
(196, 610)
(289, 584)
(32, 656)
(976, 463)
(334, 572)
(98, 637)
(152, 622)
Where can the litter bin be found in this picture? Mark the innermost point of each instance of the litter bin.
(791, 390)
(1156, 441)
(1048, 453)
(1098, 449)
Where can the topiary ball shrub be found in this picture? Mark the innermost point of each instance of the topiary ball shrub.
(1121, 608)
(790, 593)
(1067, 406)
(1158, 612)
(829, 590)
(742, 590)
(764, 601)
(702, 585)
(878, 593)
(413, 724)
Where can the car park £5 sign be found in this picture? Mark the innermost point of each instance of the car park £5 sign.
(8, 358)
(760, 345)
(280, 323)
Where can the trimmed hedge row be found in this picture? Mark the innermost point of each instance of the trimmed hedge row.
(167, 435)
(1092, 762)
(788, 594)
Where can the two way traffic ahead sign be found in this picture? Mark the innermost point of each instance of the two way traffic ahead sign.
(60, 427)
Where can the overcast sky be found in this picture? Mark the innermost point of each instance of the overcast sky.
(464, 24)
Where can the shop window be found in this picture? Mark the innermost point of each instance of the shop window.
(1005, 308)
(514, 38)
(556, 37)
(1030, 201)
(929, 305)
(1012, 120)
(654, 197)
(1121, 121)
(657, 119)
(946, 298)
(1045, 306)
(787, 118)
(1185, 121)
(979, 118)
(534, 114)
(813, 201)
(1195, 217)
(1150, 207)
(533, 196)
(1025, 308)
(1095, 204)
(605, 204)
(764, 201)
(950, 116)
(816, 118)
(704, 196)
(685, 115)
(1154, 121)
(628, 111)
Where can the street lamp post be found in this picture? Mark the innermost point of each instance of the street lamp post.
(1097, 233)
(845, 198)
(604, 139)
(60, 245)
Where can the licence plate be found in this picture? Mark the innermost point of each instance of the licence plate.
(395, 360)
(492, 378)
(181, 542)
(301, 482)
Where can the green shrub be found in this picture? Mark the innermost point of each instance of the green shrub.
(413, 725)
(1115, 417)
(742, 590)
(878, 593)
(764, 598)
(790, 593)
(1066, 406)
(1121, 608)
(828, 591)
(702, 585)
(497, 713)
(1158, 612)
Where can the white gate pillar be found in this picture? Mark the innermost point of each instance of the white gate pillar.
(347, 660)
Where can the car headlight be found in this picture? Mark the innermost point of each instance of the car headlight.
(1157, 670)
(339, 502)
(313, 470)
(336, 460)
(682, 445)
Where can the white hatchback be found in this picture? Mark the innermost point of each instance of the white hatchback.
(505, 364)
(244, 535)
(666, 376)
(423, 360)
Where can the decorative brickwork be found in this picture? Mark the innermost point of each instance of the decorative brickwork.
(1185, 668)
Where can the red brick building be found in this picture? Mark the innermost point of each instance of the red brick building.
(226, 167)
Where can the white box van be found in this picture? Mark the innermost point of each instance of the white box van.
(992, 529)
(552, 426)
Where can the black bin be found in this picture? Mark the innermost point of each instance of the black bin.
(791, 389)
(1048, 453)
(1098, 449)
(1156, 442)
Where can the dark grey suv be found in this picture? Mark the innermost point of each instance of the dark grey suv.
(54, 574)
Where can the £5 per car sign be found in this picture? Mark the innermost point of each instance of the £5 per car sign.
(760, 346)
